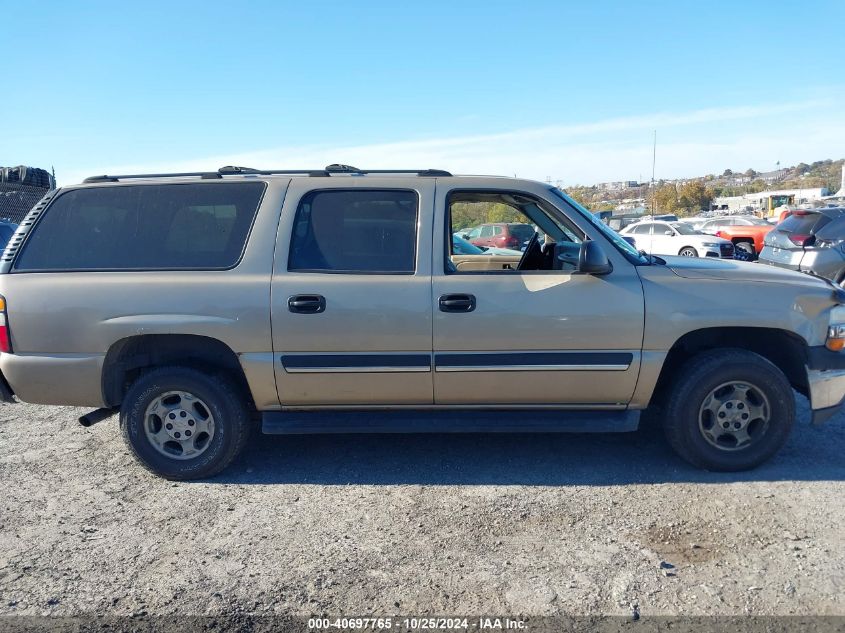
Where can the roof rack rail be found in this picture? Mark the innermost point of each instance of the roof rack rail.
(231, 170)
(349, 169)
(106, 178)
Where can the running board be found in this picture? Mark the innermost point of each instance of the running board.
(448, 421)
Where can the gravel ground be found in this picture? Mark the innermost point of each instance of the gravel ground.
(354, 525)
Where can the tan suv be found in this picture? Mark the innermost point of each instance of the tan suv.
(200, 305)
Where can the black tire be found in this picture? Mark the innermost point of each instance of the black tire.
(748, 247)
(224, 401)
(688, 251)
(697, 379)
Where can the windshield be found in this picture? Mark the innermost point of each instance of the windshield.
(617, 240)
(683, 228)
(757, 221)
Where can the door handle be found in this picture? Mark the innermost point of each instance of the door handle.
(457, 303)
(307, 304)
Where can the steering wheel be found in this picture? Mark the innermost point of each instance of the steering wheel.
(532, 252)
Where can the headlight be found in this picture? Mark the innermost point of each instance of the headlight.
(710, 244)
(835, 337)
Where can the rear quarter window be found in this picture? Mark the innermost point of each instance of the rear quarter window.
(144, 227)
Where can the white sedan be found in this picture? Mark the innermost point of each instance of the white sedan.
(677, 238)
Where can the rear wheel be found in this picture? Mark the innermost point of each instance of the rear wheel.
(688, 251)
(729, 410)
(182, 423)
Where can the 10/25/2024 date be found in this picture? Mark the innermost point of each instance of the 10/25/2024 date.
(416, 624)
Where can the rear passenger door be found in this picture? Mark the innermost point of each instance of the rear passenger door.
(351, 295)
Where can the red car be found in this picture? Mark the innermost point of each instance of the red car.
(745, 232)
(501, 235)
(748, 238)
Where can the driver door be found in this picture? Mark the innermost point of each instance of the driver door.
(521, 338)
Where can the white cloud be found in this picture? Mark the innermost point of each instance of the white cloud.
(696, 143)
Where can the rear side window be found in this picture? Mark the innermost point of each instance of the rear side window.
(144, 227)
(357, 231)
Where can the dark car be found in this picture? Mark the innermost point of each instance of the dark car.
(7, 229)
(809, 241)
(619, 222)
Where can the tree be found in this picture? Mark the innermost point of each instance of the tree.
(802, 168)
(579, 194)
(665, 198)
(727, 172)
(750, 173)
(694, 196)
(756, 186)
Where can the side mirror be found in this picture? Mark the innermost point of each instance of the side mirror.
(630, 240)
(592, 259)
(669, 232)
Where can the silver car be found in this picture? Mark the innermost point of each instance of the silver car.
(810, 241)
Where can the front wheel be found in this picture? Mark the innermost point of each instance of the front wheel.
(182, 423)
(729, 410)
(688, 251)
(748, 248)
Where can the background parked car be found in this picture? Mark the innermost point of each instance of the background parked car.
(619, 222)
(501, 235)
(676, 238)
(695, 222)
(460, 246)
(746, 233)
(810, 241)
(715, 224)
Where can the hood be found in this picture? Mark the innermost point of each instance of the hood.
(733, 270)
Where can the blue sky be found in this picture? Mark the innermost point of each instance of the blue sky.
(560, 90)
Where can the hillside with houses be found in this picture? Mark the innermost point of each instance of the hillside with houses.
(733, 191)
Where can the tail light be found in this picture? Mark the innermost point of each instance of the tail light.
(5, 339)
(799, 239)
(830, 244)
(718, 234)
(511, 241)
